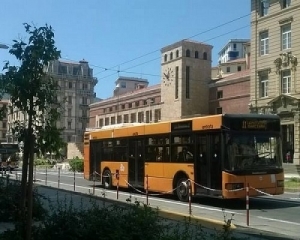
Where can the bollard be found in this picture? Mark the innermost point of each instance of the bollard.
(46, 177)
(118, 178)
(74, 182)
(247, 203)
(147, 190)
(7, 180)
(190, 196)
(94, 183)
(58, 180)
(34, 173)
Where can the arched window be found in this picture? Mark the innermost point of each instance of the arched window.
(196, 54)
(166, 57)
(177, 53)
(171, 56)
(205, 56)
(187, 53)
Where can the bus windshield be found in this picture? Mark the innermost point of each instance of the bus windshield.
(253, 151)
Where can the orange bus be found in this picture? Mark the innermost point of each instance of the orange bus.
(219, 154)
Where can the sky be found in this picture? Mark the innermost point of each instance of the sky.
(124, 37)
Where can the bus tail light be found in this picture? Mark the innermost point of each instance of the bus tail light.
(280, 183)
(233, 186)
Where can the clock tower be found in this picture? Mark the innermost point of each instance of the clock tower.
(185, 74)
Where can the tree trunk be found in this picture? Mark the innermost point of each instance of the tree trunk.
(31, 143)
(22, 206)
(30, 188)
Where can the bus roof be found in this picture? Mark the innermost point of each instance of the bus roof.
(210, 122)
(252, 115)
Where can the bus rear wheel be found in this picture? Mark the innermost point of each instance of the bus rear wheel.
(182, 189)
(106, 179)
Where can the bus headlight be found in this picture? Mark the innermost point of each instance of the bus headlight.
(233, 186)
(280, 183)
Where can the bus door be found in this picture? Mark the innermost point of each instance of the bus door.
(136, 163)
(208, 164)
(202, 164)
(95, 159)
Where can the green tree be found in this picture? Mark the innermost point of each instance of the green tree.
(33, 92)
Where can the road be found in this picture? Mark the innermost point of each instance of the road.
(273, 214)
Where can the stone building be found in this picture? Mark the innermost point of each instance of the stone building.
(76, 92)
(185, 73)
(3, 122)
(275, 81)
(189, 87)
(133, 101)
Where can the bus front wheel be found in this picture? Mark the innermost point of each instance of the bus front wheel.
(106, 179)
(182, 189)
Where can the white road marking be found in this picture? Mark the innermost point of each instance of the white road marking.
(70, 175)
(278, 220)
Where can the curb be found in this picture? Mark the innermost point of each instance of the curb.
(204, 222)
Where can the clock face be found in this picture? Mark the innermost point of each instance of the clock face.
(168, 76)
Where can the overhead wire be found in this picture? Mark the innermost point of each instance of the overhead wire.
(151, 52)
(195, 35)
(156, 75)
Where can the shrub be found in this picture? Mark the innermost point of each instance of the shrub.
(41, 161)
(76, 164)
(10, 193)
(134, 221)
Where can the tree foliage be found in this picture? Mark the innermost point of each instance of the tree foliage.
(34, 93)
(32, 90)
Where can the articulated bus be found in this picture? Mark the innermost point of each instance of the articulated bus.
(219, 154)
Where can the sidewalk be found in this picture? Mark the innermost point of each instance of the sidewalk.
(290, 175)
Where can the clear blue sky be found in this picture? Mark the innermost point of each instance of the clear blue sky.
(109, 33)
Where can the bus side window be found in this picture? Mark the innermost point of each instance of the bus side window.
(151, 154)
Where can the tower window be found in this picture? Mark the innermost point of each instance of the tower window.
(187, 53)
(166, 57)
(205, 56)
(196, 54)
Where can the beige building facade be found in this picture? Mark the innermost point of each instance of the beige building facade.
(133, 101)
(183, 91)
(3, 122)
(76, 93)
(189, 87)
(275, 77)
(185, 73)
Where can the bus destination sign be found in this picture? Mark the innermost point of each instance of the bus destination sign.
(254, 124)
(178, 126)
